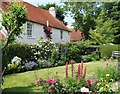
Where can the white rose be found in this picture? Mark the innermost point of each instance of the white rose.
(84, 89)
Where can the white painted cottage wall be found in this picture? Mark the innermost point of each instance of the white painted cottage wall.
(39, 32)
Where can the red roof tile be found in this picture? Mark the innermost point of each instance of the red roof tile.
(41, 16)
(75, 35)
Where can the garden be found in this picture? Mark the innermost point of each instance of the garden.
(82, 67)
(69, 68)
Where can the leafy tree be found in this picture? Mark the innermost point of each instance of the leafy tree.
(84, 14)
(104, 32)
(13, 20)
(107, 25)
(59, 11)
(112, 11)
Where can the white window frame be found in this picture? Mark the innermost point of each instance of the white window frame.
(29, 30)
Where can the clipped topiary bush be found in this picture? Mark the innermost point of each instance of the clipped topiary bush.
(106, 50)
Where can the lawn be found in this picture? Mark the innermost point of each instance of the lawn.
(24, 82)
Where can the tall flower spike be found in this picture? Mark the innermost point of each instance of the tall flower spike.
(78, 69)
(81, 72)
(84, 74)
(66, 69)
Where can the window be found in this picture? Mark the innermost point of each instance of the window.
(29, 29)
(61, 34)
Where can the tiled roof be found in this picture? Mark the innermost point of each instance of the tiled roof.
(75, 35)
(41, 16)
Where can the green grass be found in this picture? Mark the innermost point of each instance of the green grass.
(24, 82)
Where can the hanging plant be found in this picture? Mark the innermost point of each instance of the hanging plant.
(47, 31)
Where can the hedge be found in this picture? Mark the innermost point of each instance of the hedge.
(16, 49)
(106, 50)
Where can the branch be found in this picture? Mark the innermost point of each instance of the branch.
(7, 40)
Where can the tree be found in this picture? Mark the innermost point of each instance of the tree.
(112, 11)
(107, 25)
(13, 20)
(59, 11)
(84, 14)
(104, 32)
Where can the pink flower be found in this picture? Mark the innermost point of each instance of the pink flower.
(72, 67)
(38, 81)
(66, 70)
(48, 80)
(53, 81)
(49, 28)
(51, 88)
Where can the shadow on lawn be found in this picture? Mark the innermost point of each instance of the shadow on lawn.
(22, 90)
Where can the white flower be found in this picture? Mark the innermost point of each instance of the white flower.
(84, 89)
(16, 60)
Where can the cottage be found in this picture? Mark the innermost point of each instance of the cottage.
(75, 35)
(36, 21)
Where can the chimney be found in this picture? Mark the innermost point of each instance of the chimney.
(52, 11)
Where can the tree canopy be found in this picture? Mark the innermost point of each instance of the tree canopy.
(59, 11)
(13, 20)
(97, 21)
(84, 14)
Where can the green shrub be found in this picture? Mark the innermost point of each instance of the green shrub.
(43, 49)
(106, 50)
(15, 65)
(16, 49)
(111, 71)
(75, 51)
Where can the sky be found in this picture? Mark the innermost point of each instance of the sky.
(68, 18)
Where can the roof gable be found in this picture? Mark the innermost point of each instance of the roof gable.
(39, 15)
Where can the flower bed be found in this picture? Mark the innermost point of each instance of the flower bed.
(78, 83)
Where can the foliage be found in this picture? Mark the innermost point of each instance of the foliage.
(112, 11)
(58, 56)
(14, 66)
(51, 86)
(104, 32)
(74, 87)
(25, 79)
(59, 11)
(15, 49)
(31, 65)
(84, 14)
(44, 63)
(43, 49)
(94, 56)
(13, 20)
(47, 30)
(106, 50)
(112, 73)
